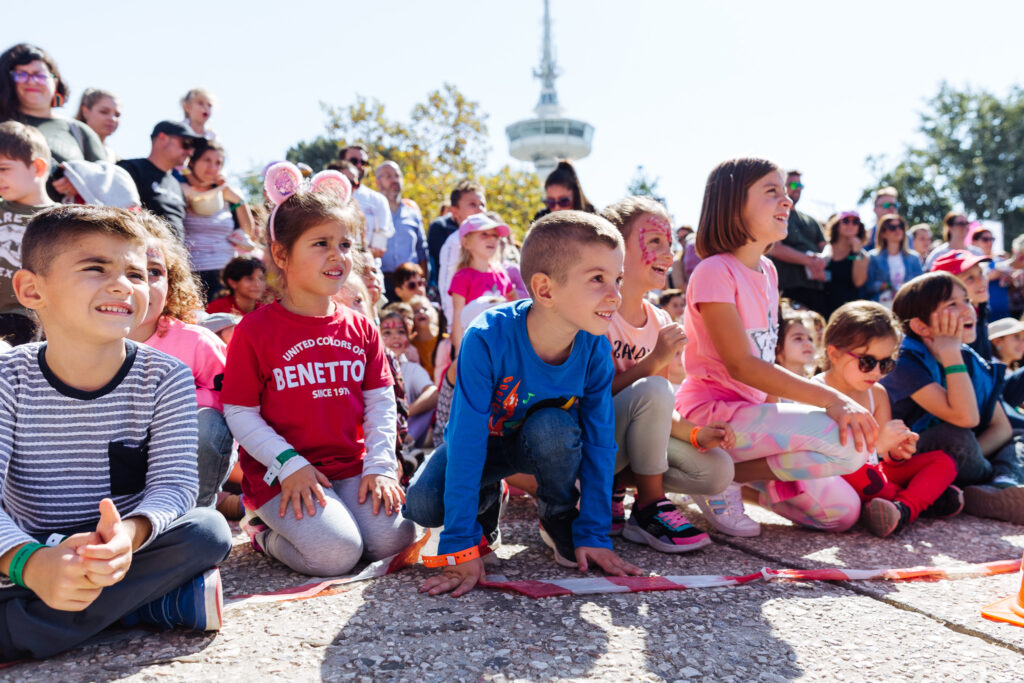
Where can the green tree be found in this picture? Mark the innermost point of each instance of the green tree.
(643, 185)
(972, 157)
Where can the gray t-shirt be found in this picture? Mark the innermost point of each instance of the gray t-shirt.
(13, 219)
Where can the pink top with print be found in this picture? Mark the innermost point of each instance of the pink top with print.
(630, 344)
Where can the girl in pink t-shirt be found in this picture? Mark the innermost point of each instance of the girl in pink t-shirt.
(789, 454)
(308, 395)
(168, 326)
(480, 271)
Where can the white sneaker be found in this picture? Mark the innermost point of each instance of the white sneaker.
(725, 512)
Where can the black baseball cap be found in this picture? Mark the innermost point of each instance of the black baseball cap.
(174, 128)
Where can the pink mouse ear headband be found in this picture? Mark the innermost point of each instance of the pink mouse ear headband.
(284, 179)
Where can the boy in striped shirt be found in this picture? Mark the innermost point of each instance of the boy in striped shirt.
(97, 451)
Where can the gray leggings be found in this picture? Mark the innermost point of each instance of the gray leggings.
(332, 541)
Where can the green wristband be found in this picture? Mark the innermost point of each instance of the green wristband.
(953, 369)
(234, 206)
(286, 456)
(19, 561)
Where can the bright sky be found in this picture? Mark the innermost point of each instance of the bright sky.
(674, 86)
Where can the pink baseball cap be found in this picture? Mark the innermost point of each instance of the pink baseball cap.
(480, 221)
(958, 261)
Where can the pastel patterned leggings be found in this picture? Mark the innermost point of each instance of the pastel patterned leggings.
(800, 444)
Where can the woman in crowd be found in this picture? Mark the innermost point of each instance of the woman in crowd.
(954, 232)
(562, 191)
(30, 89)
(101, 111)
(847, 268)
(891, 263)
(920, 237)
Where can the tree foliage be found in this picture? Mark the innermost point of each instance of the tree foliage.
(443, 141)
(972, 159)
(643, 185)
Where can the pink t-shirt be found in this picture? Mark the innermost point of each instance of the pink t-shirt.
(724, 279)
(198, 348)
(630, 344)
(471, 283)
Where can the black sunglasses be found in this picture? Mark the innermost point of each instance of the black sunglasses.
(867, 363)
(561, 203)
(358, 162)
(892, 225)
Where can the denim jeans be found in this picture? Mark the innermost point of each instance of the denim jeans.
(548, 445)
(193, 543)
(216, 455)
(972, 466)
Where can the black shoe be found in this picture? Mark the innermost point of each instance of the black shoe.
(556, 532)
(490, 517)
(949, 504)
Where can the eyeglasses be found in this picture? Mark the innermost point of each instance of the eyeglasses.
(414, 284)
(796, 186)
(988, 238)
(867, 363)
(889, 205)
(561, 203)
(850, 220)
(358, 162)
(39, 77)
(893, 226)
(961, 224)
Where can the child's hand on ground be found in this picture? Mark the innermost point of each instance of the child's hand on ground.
(385, 490)
(107, 561)
(854, 417)
(945, 335)
(302, 486)
(716, 434)
(58, 575)
(671, 340)
(459, 579)
(606, 559)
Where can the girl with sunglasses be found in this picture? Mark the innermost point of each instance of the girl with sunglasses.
(891, 263)
(897, 484)
(847, 268)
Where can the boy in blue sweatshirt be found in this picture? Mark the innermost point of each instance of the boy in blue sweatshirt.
(533, 395)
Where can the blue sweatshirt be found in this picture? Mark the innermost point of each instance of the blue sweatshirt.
(500, 379)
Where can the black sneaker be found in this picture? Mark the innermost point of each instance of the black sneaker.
(490, 517)
(949, 504)
(661, 526)
(556, 532)
(884, 517)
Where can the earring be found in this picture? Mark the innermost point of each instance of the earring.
(58, 100)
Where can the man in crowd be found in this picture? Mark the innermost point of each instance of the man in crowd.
(798, 257)
(467, 199)
(160, 192)
(379, 227)
(886, 201)
(409, 243)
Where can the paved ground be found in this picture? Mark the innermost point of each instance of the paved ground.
(384, 630)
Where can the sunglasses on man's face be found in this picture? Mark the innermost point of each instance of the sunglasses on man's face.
(890, 205)
(867, 363)
(796, 186)
(561, 203)
(358, 162)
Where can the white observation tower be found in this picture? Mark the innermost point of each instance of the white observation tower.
(550, 136)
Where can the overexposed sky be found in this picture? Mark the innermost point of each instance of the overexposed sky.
(674, 85)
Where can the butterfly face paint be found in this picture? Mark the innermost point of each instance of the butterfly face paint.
(655, 236)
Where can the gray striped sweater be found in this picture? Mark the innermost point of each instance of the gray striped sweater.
(63, 449)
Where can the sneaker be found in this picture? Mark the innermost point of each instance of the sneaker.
(661, 526)
(618, 512)
(556, 532)
(725, 512)
(253, 527)
(884, 517)
(197, 605)
(949, 504)
(1004, 503)
(490, 517)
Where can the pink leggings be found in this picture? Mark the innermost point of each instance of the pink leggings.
(800, 444)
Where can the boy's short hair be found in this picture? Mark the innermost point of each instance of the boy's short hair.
(52, 230)
(22, 143)
(667, 295)
(404, 272)
(922, 296)
(622, 213)
(552, 244)
(463, 187)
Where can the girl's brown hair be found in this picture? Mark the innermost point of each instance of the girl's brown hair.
(297, 214)
(922, 296)
(721, 229)
(832, 229)
(854, 325)
(90, 98)
(947, 221)
(881, 228)
(184, 298)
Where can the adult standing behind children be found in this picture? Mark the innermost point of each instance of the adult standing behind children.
(171, 145)
(31, 87)
(375, 207)
(24, 168)
(409, 243)
(467, 198)
(797, 256)
(97, 451)
(533, 396)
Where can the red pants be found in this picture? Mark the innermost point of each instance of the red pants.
(916, 482)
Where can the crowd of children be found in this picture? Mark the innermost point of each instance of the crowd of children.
(344, 420)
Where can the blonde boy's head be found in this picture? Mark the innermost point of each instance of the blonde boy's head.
(24, 162)
(554, 243)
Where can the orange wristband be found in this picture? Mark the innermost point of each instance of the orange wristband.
(451, 559)
(694, 442)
